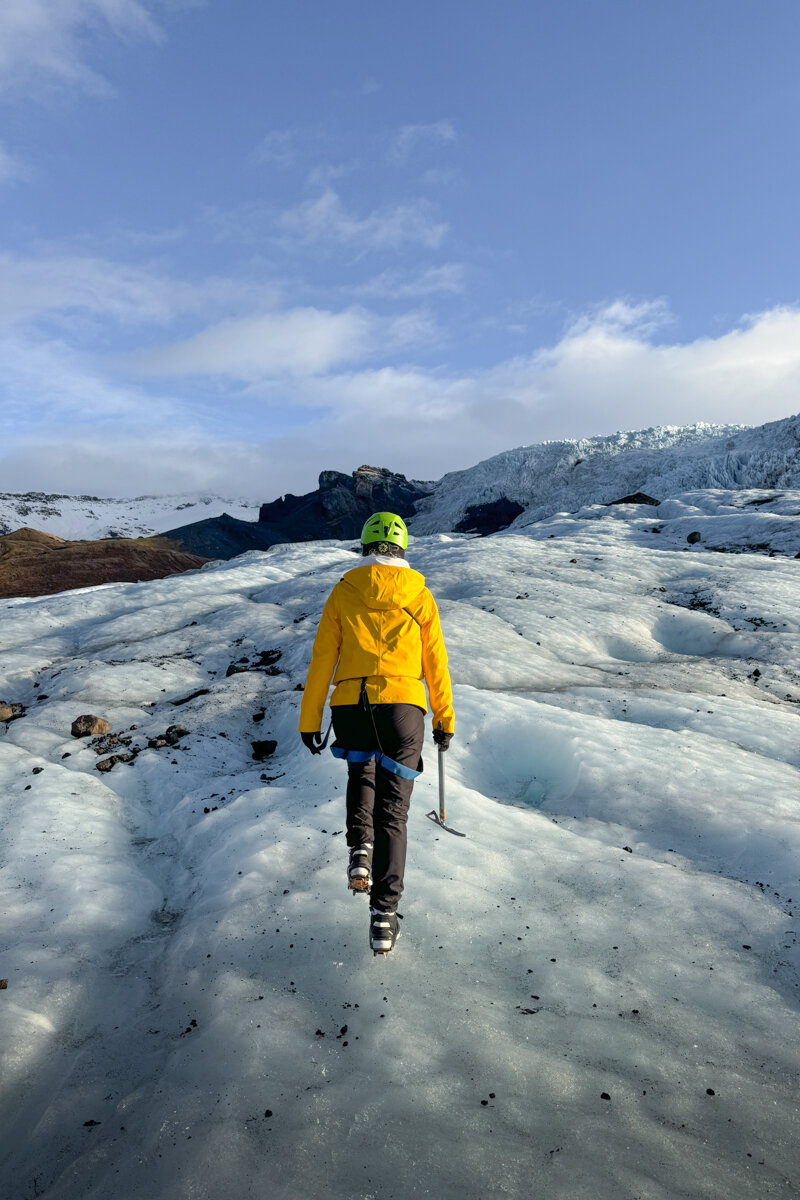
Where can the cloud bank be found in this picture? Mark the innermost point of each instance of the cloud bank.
(313, 399)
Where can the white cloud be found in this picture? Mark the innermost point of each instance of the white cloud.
(324, 174)
(278, 148)
(300, 341)
(610, 365)
(326, 219)
(285, 148)
(12, 169)
(297, 342)
(47, 384)
(441, 177)
(400, 285)
(406, 141)
(643, 318)
(48, 41)
(406, 331)
(70, 287)
(64, 284)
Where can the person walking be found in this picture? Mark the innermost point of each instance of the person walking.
(380, 640)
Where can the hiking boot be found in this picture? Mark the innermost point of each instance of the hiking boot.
(359, 870)
(383, 931)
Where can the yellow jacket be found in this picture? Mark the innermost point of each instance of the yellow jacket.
(380, 623)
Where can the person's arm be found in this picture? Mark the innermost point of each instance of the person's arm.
(324, 658)
(434, 664)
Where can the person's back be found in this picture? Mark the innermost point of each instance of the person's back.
(380, 641)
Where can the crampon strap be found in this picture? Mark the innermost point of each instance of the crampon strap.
(383, 760)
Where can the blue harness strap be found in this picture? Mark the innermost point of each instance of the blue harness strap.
(383, 760)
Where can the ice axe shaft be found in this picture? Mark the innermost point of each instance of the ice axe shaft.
(439, 818)
(441, 786)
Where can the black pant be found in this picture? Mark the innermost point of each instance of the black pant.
(378, 800)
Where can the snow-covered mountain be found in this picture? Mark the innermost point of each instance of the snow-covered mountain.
(662, 462)
(81, 517)
(540, 480)
(595, 995)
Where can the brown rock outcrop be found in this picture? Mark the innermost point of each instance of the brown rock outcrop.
(37, 564)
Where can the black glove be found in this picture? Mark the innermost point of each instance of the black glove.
(313, 741)
(442, 739)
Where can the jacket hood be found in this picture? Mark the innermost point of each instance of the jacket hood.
(383, 587)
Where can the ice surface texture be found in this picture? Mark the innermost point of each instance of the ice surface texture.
(192, 1007)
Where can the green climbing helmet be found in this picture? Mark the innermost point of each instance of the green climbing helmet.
(385, 527)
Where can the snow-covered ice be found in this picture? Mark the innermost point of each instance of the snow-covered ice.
(661, 462)
(595, 995)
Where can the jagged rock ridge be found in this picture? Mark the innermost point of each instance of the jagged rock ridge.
(342, 504)
(337, 509)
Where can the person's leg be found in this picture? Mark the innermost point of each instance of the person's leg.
(353, 729)
(401, 730)
(360, 800)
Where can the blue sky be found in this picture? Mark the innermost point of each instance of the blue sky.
(244, 241)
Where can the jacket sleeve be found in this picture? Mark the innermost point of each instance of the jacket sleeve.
(434, 664)
(324, 658)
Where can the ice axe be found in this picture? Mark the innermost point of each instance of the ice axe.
(438, 818)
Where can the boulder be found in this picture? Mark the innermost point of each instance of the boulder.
(171, 736)
(694, 537)
(262, 750)
(89, 726)
(267, 657)
(107, 764)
